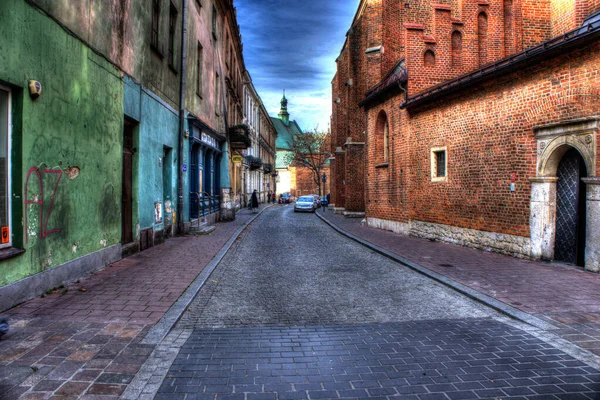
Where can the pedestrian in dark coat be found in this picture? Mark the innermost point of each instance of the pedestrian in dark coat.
(254, 202)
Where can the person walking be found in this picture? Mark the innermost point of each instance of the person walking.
(254, 202)
(274, 197)
(268, 197)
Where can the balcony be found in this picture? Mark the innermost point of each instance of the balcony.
(254, 162)
(239, 137)
(268, 168)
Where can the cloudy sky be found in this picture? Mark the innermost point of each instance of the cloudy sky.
(292, 45)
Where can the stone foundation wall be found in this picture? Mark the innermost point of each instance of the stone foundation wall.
(387, 225)
(516, 246)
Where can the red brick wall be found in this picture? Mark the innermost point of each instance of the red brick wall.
(410, 29)
(305, 183)
(488, 132)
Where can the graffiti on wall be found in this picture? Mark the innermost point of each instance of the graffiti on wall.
(38, 198)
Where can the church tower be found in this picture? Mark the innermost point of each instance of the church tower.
(283, 113)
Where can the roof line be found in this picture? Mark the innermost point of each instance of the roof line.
(572, 39)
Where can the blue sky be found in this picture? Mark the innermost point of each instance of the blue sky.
(292, 45)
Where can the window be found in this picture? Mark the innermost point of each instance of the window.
(227, 52)
(172, 25)
(482, 40)
(199, 71)
(429, 58)
(155, 23)
(439, 164)
(214, 22)
(217, 94)
(5, 127)
(456, 49)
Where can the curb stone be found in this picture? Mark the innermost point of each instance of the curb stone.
(168, 321)
(522, 320)
(169, 341)
(467, 291)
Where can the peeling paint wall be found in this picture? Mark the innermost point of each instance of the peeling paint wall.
(67, 159)
(159, 130)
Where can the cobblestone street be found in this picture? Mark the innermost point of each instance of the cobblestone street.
(297, 311)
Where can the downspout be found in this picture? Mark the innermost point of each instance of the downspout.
(180, 224)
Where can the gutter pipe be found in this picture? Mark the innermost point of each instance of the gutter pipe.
(180, 224)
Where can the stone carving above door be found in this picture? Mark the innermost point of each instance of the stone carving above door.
(554, 140)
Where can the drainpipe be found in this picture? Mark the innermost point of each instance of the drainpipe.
(180, 225)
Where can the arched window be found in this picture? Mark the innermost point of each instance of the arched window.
(382, 138)
(456, 49)
(509, 42)
(482, 37)
(429, 58)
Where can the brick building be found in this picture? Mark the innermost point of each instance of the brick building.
(473, 122)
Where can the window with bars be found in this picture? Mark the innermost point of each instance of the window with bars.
(155, 23)
(172, 27)
(439, 164)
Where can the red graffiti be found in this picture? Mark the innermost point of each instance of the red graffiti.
(40, 201)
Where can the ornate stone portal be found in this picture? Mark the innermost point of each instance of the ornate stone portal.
(553, 141)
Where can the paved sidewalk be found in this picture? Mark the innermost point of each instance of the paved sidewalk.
(567, 297)
(85, 339)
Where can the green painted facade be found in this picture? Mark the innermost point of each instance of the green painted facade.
(155, 160)
(66, 144)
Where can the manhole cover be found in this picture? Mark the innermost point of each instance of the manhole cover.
(446, 265)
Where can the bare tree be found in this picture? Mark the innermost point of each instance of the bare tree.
(309, 150)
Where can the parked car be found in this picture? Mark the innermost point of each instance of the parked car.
(305, 203)
(286, 198)
(324, 201)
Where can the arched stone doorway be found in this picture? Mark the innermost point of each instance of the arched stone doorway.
(565, 194)
(569, 245)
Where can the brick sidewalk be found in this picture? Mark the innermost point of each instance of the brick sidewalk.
(567, 297)
(85, 339)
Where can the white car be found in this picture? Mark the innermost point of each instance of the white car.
(305, 203)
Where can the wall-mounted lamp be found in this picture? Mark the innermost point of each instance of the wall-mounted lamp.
(337, 100)
(348, 82)
(35, 89)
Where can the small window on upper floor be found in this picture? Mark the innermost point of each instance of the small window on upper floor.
(172, 28)
(439, 164)
(199, 70)
(155, 23)
(214, 22)
(217, 94)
